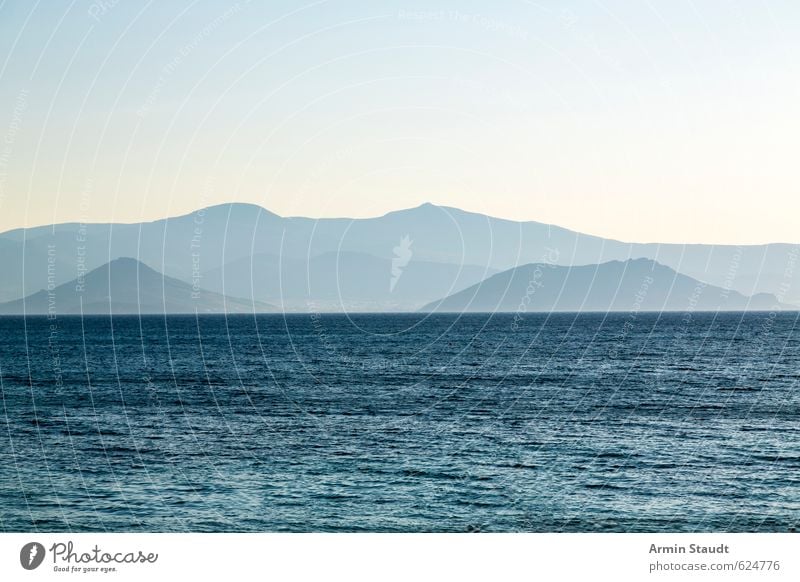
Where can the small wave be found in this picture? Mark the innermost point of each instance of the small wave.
(522, 466)
(604, 486)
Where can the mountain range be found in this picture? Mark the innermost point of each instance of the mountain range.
(402, 261)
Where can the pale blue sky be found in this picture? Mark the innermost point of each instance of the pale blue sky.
(646, 121)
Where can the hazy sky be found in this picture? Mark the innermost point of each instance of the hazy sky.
(661, 120)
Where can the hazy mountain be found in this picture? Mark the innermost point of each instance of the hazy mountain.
(632, 285)
(343, 281)
(126, 286)
(204, 241)
(178, 247)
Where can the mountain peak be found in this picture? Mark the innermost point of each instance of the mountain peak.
(127, 286)
(424, 207)
(125, 262)
(125, 265)
(235, 208)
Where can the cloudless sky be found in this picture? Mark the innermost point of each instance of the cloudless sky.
(660, 120)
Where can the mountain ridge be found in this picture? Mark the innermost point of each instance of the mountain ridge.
(209, 238)
(622, 286)
(424, 205)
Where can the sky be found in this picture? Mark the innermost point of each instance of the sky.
(652, 121)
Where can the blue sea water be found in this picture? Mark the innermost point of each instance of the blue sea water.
(562, 422)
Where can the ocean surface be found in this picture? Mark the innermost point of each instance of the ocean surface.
(405, 423)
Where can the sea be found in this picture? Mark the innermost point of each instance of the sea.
(313, 422)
